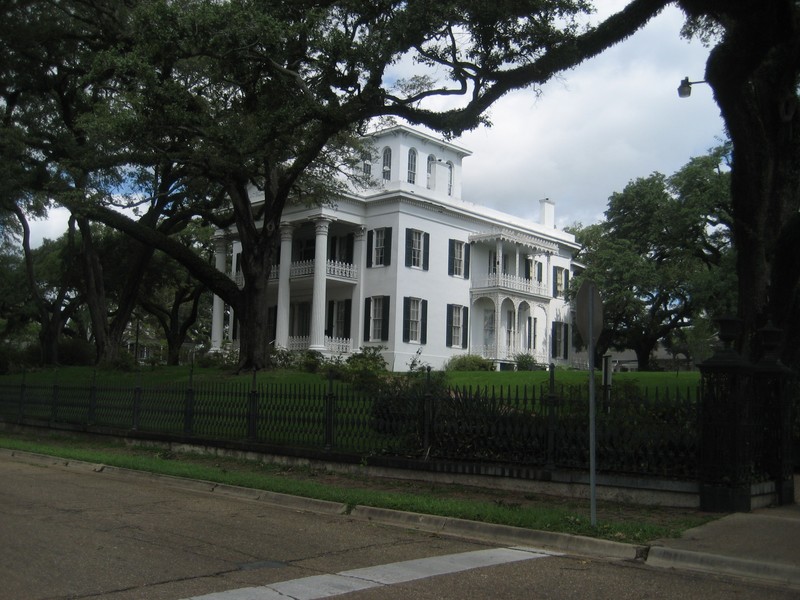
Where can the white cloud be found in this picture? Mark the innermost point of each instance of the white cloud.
(51, 227)
(611, 120)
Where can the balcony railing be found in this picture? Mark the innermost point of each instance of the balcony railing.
(513, 283)
(333, 268)
(509, 353)
(305, 268)
(333, 345)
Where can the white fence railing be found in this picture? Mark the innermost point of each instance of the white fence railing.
(514, 283)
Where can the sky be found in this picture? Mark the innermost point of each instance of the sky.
(613, 119)
(588, 133)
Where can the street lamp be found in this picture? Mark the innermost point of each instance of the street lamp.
(685, 88)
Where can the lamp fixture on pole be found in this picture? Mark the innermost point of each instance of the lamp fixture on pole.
(685, 88)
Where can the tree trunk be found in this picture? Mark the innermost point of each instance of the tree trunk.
(753, 75)
(49, 335)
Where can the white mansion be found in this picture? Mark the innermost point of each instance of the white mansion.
(408, 266)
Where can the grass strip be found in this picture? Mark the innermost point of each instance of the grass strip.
(638, 525)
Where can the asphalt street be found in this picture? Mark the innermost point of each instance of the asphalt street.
(81, 531)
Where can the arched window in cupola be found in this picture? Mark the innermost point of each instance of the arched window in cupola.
(387, 164)
(431, 172)
(412, 166)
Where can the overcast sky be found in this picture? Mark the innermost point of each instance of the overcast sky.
(613, 119)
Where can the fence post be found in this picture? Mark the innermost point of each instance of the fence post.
(725, 432)
(90, 417)
(252, 410)
(21, 413)
(550, 404)
(137, 402)
(330, 403)
(188, 411)
(54, 401)
(772, 379)
(427, 413)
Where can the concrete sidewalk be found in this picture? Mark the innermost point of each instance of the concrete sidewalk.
(760, 545)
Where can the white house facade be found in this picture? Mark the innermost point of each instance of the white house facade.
(409, 267)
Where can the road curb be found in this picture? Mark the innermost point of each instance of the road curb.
(673, 558)
(501, 534)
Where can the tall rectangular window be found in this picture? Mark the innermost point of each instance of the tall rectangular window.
(560, 340)
(458, 259)
(560, 282)
(376, 319)
(456, 326)
(380, 250)
(417, 249)
(379, 247)
(415, 317)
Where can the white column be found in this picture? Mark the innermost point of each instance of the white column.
(284, 292)
(218, 310)
(357, 312)
(317, 341)
(499, 253)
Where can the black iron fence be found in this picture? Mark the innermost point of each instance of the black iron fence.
(639, 432)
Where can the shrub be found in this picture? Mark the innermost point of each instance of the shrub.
(365, 368)
(310, 361)
(526, 362)
(469, 362)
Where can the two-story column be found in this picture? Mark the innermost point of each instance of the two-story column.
(357, 310)
(218, 309)
(317, 341)
(284, 291)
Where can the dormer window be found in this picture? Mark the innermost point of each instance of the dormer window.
(412, 166)
(387, 164)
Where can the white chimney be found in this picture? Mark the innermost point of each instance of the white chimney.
(547, 213)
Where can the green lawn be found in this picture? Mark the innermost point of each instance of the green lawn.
(162, 375)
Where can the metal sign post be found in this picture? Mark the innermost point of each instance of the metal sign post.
(589, 313)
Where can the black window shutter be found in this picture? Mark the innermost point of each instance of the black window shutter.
(409, 245)
(423, 326)
(370, 234)
(466, 260)
(555, 282)
(426, 242)
(351, 239)
(539, 274)
(448, 336)
(406, 319)
(554, 340)
(367, 313)
(464, 326)
(387, 246)
(451, 256)
(565, 341)
(385, 323)
(348, 308)
(329, 319)
(332, 247)
(527, 269)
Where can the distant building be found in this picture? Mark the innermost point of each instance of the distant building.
(408, 266)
